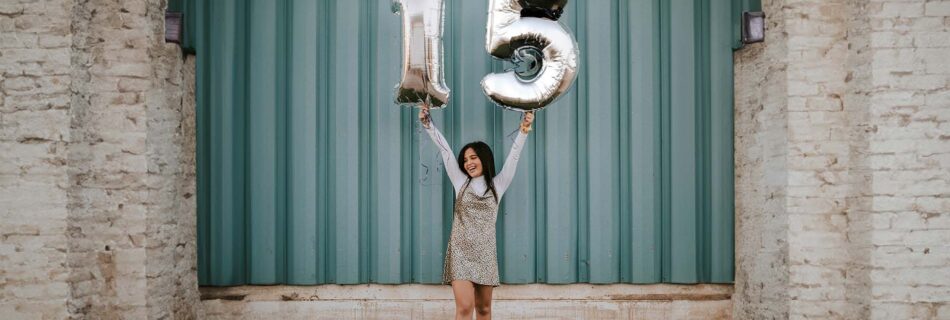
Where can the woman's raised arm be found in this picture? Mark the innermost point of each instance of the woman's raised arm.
(445, 152)
(507, 174)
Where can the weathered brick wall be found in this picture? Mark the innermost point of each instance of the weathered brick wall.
(96, 170)
(107, 159)
(819, 158)
(761, 118)
(854, 104)
(866, 172)
(34, 132)
(187, 297)
(908, 159)
(171, 223)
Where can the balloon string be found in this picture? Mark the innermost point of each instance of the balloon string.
(428, 175)
(511, 136)
(424, 178)
(428, 117)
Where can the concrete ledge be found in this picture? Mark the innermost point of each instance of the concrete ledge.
(418, 301)
(424, 292)
(443, 309)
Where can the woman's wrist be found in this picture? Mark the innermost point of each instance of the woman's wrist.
(526, 122)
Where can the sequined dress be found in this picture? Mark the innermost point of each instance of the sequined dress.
(470, 254)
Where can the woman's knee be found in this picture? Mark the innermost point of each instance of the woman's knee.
(464, 307)
(483, 309)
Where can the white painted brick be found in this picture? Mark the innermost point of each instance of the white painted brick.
(899, 310)
(943, 311)
(937, 8)
(893, 203)
(937, 39)
(901, 9)
(914, 293)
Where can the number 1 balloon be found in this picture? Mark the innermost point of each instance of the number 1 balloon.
(423, 79)
(526, 32)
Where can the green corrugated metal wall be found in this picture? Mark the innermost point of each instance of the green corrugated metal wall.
(308, 173)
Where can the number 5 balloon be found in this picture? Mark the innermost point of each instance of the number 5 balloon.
(527, 33)
(422, 70)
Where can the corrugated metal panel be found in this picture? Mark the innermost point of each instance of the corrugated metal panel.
(308, 173)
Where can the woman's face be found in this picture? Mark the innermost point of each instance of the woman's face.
(472, 164)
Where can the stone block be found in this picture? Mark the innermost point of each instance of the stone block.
(937, 8)
(899, 9)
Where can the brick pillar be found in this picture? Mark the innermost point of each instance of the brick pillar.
(34, 132)
(842, 155)
(96, 163)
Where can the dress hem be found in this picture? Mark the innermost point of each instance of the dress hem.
(470, 280)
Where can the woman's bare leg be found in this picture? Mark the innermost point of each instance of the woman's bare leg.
(483, 302)
(464, 299)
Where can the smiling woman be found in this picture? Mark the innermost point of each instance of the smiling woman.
(471, 258)
(309, 173)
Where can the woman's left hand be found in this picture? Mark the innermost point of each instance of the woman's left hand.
(526, 122)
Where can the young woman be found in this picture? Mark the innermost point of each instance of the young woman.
(471, 263)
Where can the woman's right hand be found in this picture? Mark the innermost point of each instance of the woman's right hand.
(424, 116)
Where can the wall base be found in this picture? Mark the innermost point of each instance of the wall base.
(532, 301)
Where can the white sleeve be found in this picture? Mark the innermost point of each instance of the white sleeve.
(456, 175)
(507, 174)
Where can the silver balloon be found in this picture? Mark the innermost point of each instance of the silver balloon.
(544, 52)
(423, 78)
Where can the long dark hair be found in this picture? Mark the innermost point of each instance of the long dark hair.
(483, 151)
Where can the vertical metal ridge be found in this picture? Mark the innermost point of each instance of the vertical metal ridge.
(284, 33)
(541, 200)
(323, 103)
(332, 276)
(217, 215)
(684, 145)
(368, 199)
(372, 155)
(583, 202)
(722, 249)
(407, 211)
(244, 62)
(202, 150)
(215, 203)
(664, 124)
(703, 138)
(412, 134)
(407, 199)
(362, 151)
(262, 116)
(623, 98)
(410, 199)
(539, 170)
(289, 149)
(657, 147)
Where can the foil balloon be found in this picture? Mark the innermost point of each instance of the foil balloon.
(544, 53)
(423, 78)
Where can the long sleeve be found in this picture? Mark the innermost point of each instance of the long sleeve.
(507, 174)
(448, 159)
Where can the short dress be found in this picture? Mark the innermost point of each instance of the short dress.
(470, 254)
